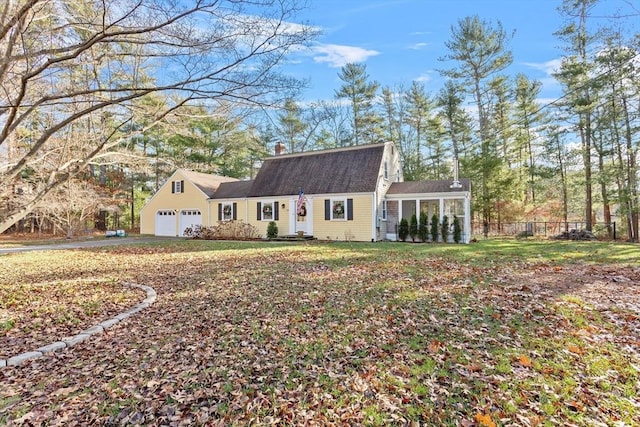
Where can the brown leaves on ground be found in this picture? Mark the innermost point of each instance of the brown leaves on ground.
(333, 335)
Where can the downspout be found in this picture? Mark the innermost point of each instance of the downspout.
(374, 210)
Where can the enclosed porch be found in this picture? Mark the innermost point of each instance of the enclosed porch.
(433, 199)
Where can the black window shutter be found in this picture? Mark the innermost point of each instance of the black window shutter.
(173, 186)
(350, 209)
(219, 211)
(235, 208)
(276, 211)
(259, 217)
(327, 209)
(182, 186)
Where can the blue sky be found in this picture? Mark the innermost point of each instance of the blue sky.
(401, 40)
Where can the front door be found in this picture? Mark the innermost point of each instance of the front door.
(302, 222)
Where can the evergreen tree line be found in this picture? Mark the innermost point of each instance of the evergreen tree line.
(574, 159)
(106, 131)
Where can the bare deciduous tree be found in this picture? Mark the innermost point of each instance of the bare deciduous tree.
(69, 64)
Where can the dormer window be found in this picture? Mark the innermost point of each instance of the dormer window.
(386, 170)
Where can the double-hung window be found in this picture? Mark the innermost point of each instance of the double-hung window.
(177, 186)
(227, 211)
(338, 209)
(267, 211)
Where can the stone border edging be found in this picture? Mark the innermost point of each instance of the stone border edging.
(82, 336)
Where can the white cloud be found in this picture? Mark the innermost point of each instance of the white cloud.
(339, 55)
(548, 67)
(423, 78)
(418, 46)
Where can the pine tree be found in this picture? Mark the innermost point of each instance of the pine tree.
(480, 49)
(361, 94)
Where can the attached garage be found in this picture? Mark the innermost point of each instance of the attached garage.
(165, 223)
(189, 218)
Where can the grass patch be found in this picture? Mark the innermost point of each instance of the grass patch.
(369, 334)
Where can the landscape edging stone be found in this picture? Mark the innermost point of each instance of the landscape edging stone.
(84, 335)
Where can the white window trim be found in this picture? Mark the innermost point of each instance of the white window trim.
(385, 210)
(273, 209)
(177, 186)
(344, 205)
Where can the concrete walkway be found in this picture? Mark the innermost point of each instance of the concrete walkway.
(115, 241)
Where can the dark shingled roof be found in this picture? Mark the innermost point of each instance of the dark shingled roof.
(233, 190)
(206, 182)
(416, 187)
(348, 170)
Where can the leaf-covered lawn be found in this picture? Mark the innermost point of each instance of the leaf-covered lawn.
(335, 334)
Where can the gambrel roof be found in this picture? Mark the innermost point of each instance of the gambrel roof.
(342, 170)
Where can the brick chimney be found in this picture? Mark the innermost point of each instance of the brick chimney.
(280, 148)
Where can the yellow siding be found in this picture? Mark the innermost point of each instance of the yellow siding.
(192, 198)
(241, 211)
(360, 229)
(283, 215)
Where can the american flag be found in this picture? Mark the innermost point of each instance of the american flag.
(301, 200)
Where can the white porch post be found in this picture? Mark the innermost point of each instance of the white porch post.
(418, 210)
(467, 218)
(441, 207)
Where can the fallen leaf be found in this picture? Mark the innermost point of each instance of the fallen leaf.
(484, 420)
(524, 360)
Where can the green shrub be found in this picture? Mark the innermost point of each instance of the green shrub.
(445, 229)
(423, 227)
(413, 227)
(457, 230)
(272, 230)
(403, 229)
(434, 228)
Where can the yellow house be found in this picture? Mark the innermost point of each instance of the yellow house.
(179, 203)
(338, 194)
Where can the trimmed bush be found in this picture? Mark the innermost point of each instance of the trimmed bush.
(272, 230)
(434, 228)
(423, 227)
(457, 230)
(413, 228)
(403, 229)
(445, 229)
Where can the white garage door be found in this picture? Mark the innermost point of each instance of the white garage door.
(189, 218)
(166, 223)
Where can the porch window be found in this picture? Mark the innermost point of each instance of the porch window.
(454, 207)
(384, 210)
